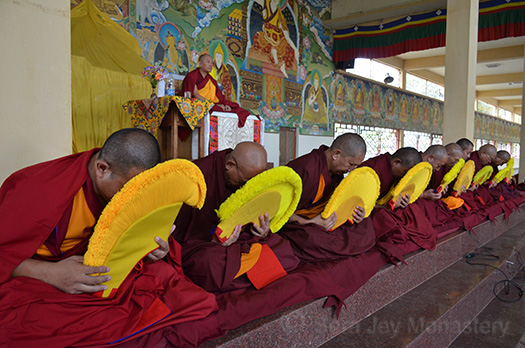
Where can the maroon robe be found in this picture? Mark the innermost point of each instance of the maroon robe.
(394, 228)
(311, 242)
(34, 201)
(437, 178)
(211, 265)
(194, 78)
(474, 156)
(383, 168)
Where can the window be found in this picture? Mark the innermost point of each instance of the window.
(486, 108)
(506, 114)
(421, 141)
(422, 86)
(378, 140)
(515, 153)
(376, 71)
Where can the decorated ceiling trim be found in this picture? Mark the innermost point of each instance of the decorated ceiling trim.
(497, 19)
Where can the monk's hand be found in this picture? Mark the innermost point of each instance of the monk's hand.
(327, 223)
(262, 231)
(73, 277)
(403, 201)
(359, 214)
(161, 251)
(431, 195)
(234, 236)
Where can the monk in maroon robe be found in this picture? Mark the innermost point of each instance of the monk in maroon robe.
(206, 261)
(441, 217)
(203, 86)
(406, 226)
(466, 148)
(321, 171)
(47, 213)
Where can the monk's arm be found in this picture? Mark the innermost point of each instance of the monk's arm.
(197, 95)
(68, 275)
(326, 224)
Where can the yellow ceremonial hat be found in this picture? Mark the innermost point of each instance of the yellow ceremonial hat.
(451, 174)
(464, 178)
(276, 191)
(359, 188)
(482, 175)
(413, 183)
(145, 207)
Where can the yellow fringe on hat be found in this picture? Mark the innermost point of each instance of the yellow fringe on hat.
(170, 182)
(505, 173)
(482, 175)
(451, 174)
(281, 188)
(413, 183)
(361, 186)
(464, 177)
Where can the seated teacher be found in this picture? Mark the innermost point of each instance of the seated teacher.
(204, 87)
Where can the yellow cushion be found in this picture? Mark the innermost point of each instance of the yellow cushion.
(413, 183)
(276, 191)
(145, 207)
(359, 188)
(464, 177)
(482, 175)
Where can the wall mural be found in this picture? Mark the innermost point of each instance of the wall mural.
(271, 56)
(274, 57)
(366, 103)
(494, 128)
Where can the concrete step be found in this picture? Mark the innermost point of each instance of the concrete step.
(436, 312)
(310, 325)
(500, 324)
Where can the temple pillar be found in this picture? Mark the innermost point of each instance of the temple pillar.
(460, 70)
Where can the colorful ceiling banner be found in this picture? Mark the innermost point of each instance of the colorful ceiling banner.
(497, 19)
(494, 128)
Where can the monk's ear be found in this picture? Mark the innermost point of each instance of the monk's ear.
(230, 163)
(102, 168)
(396, 162)
(336, 153)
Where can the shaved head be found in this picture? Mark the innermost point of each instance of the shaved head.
(436, 155)
(502, 157)
(487, 154)
(245, 161)
(454, 152)
(404, 159)
(346, 153)
(130, 148)
(466, 146)
(350, 144)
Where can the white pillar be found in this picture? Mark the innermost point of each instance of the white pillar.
(522, 131)
(460, 70)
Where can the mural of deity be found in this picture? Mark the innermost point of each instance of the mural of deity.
(375, 107)
(315, 102)
(172, 50)
(220, 71)
(415, 111)
(390, 105)
(426, 114)
(403, 109)
(359, 98)
(273, 42)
